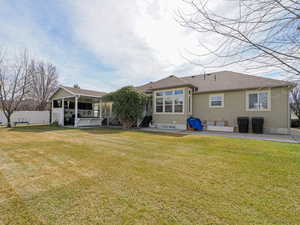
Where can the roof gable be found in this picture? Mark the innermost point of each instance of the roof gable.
(168, 82)
(64, 91)
(85, 92)
(61, 93)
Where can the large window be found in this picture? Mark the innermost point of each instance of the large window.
(170, 101)
(216, 101)
(258, 100)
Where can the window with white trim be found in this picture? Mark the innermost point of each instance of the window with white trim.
(216, 101)
(258, 100)
(169, 101)
(168, 105)
(178, 104)
(159, 104)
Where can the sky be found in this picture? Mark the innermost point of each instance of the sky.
(104, 45)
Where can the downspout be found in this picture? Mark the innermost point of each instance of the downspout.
(289, 110)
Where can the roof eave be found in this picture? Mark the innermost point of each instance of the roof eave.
(240, 89)
(168, 87)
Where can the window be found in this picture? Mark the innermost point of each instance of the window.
(168, 105)
(178, 105)
(178, 92)
(216, 101)
(169, 93)
(159, 104)
(96, 109)
(170, 101)
(57, 104)
(258, 101)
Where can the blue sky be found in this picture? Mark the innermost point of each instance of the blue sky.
(101, 45)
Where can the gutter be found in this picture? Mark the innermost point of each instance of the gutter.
(244, 89)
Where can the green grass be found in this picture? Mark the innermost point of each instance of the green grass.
(50, 175)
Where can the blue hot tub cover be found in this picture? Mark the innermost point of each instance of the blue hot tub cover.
(195, 123)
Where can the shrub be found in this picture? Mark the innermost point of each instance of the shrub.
(54, 124)
(295, 123)
(128, 105)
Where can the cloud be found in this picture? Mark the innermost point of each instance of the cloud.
(108, 30)
(105, 44)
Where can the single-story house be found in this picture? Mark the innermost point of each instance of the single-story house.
(216, 98)
(220, 98)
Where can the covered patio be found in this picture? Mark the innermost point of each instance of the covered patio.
(76, 107)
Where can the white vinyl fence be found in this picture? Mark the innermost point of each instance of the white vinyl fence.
(31, 117)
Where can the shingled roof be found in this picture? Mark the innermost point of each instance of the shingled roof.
(84, 92)
(168, 82)
(217, 81)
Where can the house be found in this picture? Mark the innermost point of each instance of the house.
(73, 106)
(216, 98)
(220, 98)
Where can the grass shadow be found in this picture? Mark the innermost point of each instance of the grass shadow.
(93, 130)
(46, 128)
(162, 133)
(37, 128)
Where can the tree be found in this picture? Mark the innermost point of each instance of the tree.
(44, 82)
(295, 101)
(256, 34)
(128, 105)
(14, 83)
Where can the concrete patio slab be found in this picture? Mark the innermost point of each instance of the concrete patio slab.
(266, 137)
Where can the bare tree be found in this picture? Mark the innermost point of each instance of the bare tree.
(257, 34)
(295, 101)
(44, 82)
(14, 83)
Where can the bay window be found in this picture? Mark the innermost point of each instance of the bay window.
(170, 101)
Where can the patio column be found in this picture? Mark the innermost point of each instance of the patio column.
(62, 112)
(76, 112)
(100, 108)
(100, 111)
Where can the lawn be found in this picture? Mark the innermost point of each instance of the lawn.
(51, 175)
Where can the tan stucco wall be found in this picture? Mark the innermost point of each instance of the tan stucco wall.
(235, 106)
(169, 118)
(61, 93)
